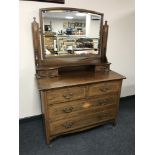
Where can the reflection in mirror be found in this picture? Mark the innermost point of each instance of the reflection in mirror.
(70, 33)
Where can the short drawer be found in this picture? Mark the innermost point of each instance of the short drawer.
(79, 122)
(103, 88)
(65, 94)
(82, 107)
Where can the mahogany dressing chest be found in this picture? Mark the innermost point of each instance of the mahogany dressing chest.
(78, 90)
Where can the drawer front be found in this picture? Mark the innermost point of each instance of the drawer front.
(65, 94)
(103, 88)
(83, 107)
(79, 122)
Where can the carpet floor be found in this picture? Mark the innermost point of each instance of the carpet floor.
(102, 140)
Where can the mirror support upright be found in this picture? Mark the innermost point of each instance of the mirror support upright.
(36, 43)
(104, 42)
(105, 65)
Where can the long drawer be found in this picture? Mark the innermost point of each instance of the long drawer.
(103, 88)
(65, 94)
(82, 107)
(79, 122)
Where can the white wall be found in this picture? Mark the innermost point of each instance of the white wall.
(120, 16)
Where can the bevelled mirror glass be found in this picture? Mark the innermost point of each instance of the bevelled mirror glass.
(70, 32)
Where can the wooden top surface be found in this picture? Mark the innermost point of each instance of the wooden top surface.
(78, 78)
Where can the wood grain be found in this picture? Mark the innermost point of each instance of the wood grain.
(103, 88)
(77, 78)
(75, 123)
(65, 94)
(81, 107)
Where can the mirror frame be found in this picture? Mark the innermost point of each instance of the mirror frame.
(70, 9)
(59, 60)
(69, 60)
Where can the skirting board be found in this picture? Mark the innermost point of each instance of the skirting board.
(32, 118)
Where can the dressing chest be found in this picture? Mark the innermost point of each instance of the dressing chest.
(78, 91)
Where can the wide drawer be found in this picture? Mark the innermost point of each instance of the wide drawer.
(65, 94)
(79, 122)
(82, 107)
(103, 88)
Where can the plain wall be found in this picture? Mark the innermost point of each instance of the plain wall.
(120, 49)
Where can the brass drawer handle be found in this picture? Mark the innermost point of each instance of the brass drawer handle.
(68, 125)
(68, 109)
(68, 96)
(103, 89)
